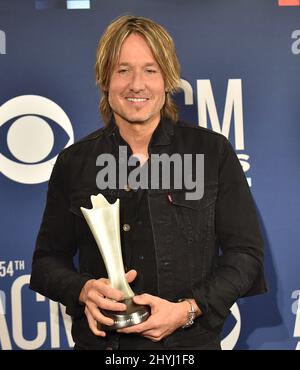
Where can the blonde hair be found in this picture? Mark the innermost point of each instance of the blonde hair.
(161, 46)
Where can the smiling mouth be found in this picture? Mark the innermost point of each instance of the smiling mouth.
(137, 100)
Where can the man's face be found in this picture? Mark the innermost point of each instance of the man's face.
(137, 88)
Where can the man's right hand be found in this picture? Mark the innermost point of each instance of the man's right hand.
(97, 294)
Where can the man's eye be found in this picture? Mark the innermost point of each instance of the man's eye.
(122, 71)
(151, 71)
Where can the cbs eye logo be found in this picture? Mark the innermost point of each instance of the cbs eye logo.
(29, 139)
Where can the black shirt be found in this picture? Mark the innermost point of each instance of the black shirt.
(138, 250)
(136, 233)
(137, 242)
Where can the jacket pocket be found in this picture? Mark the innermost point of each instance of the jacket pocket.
(91, 262)
(82, 231)
(76, 204)
(82, 198)
(195, 217)
(196, 220)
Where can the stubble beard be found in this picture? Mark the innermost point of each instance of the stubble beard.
(142, 121)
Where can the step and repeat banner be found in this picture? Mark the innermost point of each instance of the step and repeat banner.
(240, 76)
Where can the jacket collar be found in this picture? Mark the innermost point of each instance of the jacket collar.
(162, 135)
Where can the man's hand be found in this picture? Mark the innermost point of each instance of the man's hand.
(97, 294)
(166, 317)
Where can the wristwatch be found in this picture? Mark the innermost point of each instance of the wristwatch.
(191, 314)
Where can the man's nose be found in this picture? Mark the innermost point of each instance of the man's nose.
(137, 82)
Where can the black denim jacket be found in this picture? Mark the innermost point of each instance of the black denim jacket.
(216, 238)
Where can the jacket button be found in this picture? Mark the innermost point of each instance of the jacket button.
(126, 227)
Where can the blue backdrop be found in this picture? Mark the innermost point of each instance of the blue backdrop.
(240, 76)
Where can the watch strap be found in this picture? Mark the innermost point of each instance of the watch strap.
(191, 313)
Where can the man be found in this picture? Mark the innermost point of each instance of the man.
(170, 243)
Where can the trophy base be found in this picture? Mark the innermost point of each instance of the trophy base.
(133, 315)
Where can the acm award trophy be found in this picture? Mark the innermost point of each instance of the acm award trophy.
(104, 222)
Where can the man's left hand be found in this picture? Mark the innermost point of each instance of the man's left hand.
(165, 318)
